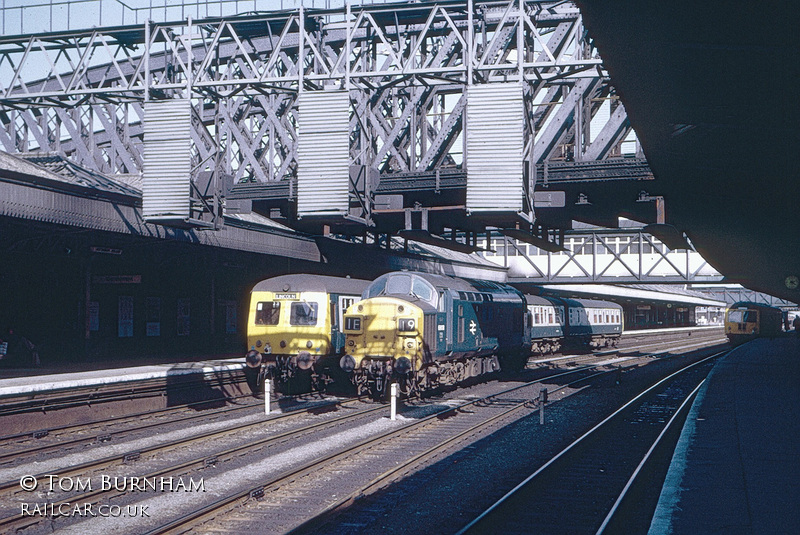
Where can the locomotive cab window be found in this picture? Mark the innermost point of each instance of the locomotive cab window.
(268, 313)
(423, 290)
(376, 288)
(403, 284)
(742, 316)
(303, 314)
(399, 285)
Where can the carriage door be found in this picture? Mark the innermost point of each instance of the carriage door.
(445, 314)
(337, 320)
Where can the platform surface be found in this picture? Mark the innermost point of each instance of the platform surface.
(736, 470)
(20, 381)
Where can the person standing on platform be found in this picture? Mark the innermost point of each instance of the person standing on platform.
(20, 350)
(796, 325)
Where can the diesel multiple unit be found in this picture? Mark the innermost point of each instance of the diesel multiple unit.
(746, 320)
(294, 325)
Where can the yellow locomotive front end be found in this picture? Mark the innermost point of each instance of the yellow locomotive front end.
(287, 331)
(383, 344)
(742, 323)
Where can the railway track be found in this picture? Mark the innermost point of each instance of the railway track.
(455, 484)
(199, 464)
(597, 480)
(403, 449)
(106, 430)
(208, 464)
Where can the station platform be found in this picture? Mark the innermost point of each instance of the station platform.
(736, 469)
(21, 381)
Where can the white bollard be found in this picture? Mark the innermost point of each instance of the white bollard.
(394, 401)
(267, 394)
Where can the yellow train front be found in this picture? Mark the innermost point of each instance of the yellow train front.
(745, 320)
(294, 326)
(383, 344)
(422, 330)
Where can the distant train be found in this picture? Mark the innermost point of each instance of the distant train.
(745, 320)
(293, 328)
(417, 329)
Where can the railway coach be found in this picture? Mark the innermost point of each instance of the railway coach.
(593, 323)
(294, 328)
(555, 322)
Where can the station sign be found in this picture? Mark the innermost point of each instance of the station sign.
(549, 199)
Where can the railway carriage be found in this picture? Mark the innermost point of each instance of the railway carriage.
(424, 330)
(593, 323)
(745, 320)
(546, 323)
(293, 327)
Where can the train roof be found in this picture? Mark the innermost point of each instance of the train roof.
(593, 303)
(538, 300)
(455, 283)
(468, 289)
(751, 304)
(307, 282)
(561, 301)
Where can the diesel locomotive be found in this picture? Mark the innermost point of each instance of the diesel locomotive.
(745, 320)
(422, 330)
(293, 327)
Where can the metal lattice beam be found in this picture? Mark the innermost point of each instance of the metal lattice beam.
(603, 256)
(406, 67)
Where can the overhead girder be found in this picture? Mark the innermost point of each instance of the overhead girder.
(602, 256)
(406, 68)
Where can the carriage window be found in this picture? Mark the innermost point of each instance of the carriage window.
(303, 314)
(346, 302)
(268, 312)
